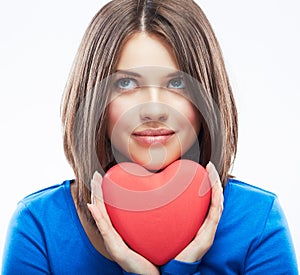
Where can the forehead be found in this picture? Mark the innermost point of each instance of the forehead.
(143, 50)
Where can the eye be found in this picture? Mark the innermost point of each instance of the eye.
(176, 83)
(126, 84)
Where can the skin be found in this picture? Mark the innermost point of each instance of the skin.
(132, 110)
(150, 119)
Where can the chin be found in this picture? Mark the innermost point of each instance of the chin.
(155, 166)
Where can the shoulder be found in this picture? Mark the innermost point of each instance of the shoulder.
(253, 225)
(42, 211)
(241, 191)
(43, 196)
(255, 222)
(248, 188)
(248, 205)
(45, 202)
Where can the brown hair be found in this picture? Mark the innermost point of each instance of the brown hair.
(183, 25)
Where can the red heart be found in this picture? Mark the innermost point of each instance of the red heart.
(157, 214)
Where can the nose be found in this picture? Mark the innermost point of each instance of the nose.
(154, 109)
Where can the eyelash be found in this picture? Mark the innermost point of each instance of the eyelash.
(176, 80)
(134, 83)
(123, 79)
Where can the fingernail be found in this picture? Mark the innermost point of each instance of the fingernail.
(97, 176)
(208, 164)
(96, 189)
(92, 185)
(211, 166)
(90, 206)
(97, 215)
(212, 173)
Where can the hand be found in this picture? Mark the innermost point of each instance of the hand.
(206, 234)
(128, 259)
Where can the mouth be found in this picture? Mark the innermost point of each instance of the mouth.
(152, 135)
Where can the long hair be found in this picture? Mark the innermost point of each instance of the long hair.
(185, 28)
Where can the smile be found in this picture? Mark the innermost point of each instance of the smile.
(152, 136)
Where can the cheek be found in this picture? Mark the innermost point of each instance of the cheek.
(190, 118)
(122, 119)
(117, 113)
(116, 129)
(190, 124)
(195, 120)
(113, 117)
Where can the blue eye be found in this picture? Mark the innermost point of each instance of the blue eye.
(126, 84)
(176, 83)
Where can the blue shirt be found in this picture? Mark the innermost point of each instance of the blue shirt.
(45, 236)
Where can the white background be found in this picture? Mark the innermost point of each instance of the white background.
(260, 42)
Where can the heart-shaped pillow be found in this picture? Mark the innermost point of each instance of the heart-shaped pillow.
(157, 214)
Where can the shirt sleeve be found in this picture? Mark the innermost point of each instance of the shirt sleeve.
(24, 251)
(175, 267)
(273, 251)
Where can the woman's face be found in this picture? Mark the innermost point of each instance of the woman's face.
(151, 121)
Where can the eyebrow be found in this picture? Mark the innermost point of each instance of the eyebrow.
(176, 74)
(128, 73)
(131, 73)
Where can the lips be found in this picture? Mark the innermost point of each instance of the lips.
(152, 136)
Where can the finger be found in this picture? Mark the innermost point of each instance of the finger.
(108, 232)
(212, 174)
(112, 240)
(215, 212)
(217, 190)
(206, 234)
(97, 176)
(96, 183)
(97, 196)
(98, 217)
(216, 207)
(203, 240)
(116, 247)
